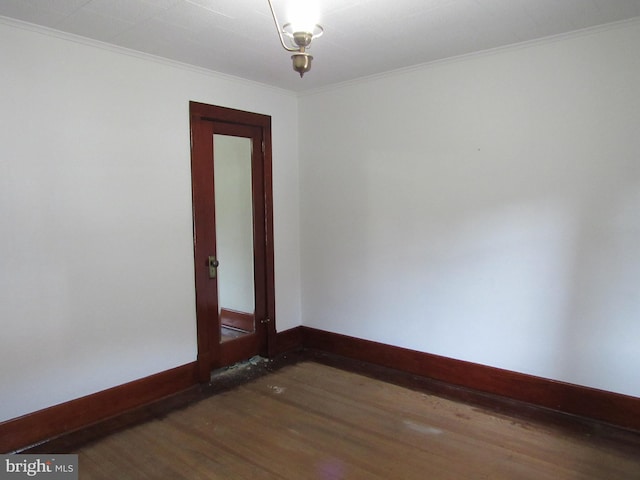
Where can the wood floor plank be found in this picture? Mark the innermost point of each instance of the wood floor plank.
(399, 434)
(438, 415)
(311, 421)
(236, 422)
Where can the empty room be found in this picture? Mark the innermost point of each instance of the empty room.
(322, 239)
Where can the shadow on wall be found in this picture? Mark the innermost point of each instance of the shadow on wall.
(602, 327)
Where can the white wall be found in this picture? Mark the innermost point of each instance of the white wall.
(96, 255)
(485, 208)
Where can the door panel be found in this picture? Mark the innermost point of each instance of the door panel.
(233, 246)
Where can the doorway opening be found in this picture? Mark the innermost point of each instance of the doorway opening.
(233, 235)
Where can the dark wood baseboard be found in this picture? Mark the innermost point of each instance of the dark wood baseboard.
(29, 429)
(616, 409)
(235, 319)
(289, 341)
(22, 432)
(227, 380)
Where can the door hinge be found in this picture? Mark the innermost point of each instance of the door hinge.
(265, 320)
(263, 147)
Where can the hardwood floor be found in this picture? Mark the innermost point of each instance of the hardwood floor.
(312, 421)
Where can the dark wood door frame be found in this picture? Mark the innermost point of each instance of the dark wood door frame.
(202, 117)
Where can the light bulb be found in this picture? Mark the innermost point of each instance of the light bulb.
(303, 15)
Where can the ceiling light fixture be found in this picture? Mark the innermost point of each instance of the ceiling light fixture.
(299, 38)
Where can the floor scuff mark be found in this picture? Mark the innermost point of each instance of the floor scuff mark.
(424, 429)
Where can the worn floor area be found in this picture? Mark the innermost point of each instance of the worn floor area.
(312, 421)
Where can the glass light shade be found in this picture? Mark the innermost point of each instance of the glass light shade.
(303, 15)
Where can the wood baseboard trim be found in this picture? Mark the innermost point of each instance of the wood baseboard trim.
(236, 319)
(613, 408)
(616, 409)
(27, 430)
(289, 341)
(35, 427)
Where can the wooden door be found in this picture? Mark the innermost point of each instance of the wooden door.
(233, 236)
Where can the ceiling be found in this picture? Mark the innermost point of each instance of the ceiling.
(362, 37)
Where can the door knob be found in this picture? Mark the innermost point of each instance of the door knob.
(213, 266)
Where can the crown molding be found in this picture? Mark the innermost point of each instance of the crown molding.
(584, 32)
(78, 39)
